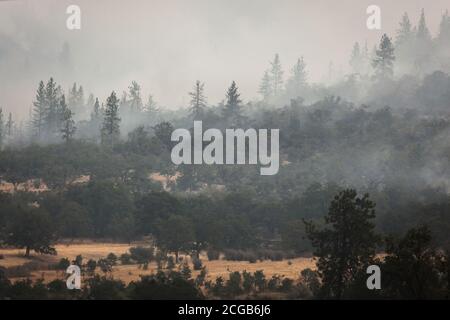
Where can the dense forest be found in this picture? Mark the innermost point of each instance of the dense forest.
(382, 129)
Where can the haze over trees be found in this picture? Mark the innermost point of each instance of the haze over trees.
(381, 129)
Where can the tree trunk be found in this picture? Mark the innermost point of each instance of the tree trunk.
(27, 252)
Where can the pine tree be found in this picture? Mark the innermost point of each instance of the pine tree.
(52, 114)
(9, 125)
(39, 112)
(276, 74)
(80, 99)
(110, 130)
(444, 30)
(73, 97)
(95, 114)
(151, 106)
(298, 78)
(198, 101)
(135, 97)
(68, 128)
(124, 103)
(232, 108)
(423, 34)
(76, 99)
(346, 244)
(365, 59)
(404, 33)
(383, 62)
(90, 101)
(265, 88)
(356, 59)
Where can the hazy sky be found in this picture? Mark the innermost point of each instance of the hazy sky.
(166, 45)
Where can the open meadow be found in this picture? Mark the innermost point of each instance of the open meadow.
(289, 268)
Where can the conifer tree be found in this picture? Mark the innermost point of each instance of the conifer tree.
(356, 58)
(135, 97)
(39, 112)
(151, 106)
(90, 101)
(110, 130)
(276, 74)
(95, 114)
(298, 76)
(346, 244)
(423, 34)
(232, 108)
(9, 125)
(444, 30)
(68, 128)
(198, 101)
(383, 62)
(265, 88)
(52, 114)
(404, 33)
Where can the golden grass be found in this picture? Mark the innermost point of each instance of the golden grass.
(127, 273)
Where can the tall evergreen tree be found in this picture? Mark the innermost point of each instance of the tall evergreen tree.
(347, 243)
(90, 101)
(423, 47)
(135, 97)
(232, 108)
(73, 97)
(298, 78)
(52, 114)
(68, 128)
(76, 101)
(423, 34)
(356, 58)
(151, 106)
(198, 101)
(265, 88)
(81, 103)
(124, 102)
(405, 32)
(444, 30)
(110, 130)
(9, 125)
(39, 112)
(384, 59)
(276, 74)
(95, 114)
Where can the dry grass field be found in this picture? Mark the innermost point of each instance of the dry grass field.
(127, 273)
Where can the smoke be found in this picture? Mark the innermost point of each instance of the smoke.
(167, 45)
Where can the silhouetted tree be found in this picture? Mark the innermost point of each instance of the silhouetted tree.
(39, 113)
(111, 122)
(276, 75)
(298, 78)
(347, 243)
(265, 88)
(412, 267)
(32, 229)
(198, 101)
(135, 101)
(176, 234)
(384, 60)
(68, 128)
(232, 108)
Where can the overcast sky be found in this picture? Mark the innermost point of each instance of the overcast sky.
(166, 45)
